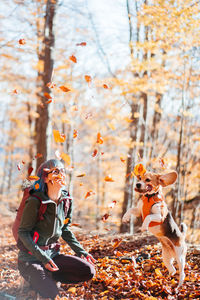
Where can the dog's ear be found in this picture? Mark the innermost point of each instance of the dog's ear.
(167, 179)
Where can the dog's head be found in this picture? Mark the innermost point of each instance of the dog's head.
(149, 183)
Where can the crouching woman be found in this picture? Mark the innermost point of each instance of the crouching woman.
(39, 260)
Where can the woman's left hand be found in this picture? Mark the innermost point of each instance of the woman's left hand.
(89, 258)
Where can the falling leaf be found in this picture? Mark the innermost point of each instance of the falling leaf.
(139, 170)
(30, 170)
(128, 120)
(99, 138)
(23, 162)
(94, 152)
(74, 108)
(22, 41)
(108, 178)
(76, 224)
(47, 95)
(34, 177)
(59, 138)
(37, 186)
(105, 217)
(122, 159)
(81, 184)
(48, 101)
(88, 78)
(73, 58)
(38, 155)
(66, 221)
(18, 166)
(75, 133)
(105, 86)
(81, 44)
(66, 158)
(15, 91)
(81, 175)
(88, 194)
(51, 85)
(162, 162)
(64, 89)
(102, 153)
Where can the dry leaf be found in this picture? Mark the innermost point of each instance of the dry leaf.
(88, 78)
(105, 86)
(75, 133)
(66, 158)
(72, 290)
(94, 152)
(81, 175)
(139, 170)
(105, 217)
(47, 95)
(59, 138)
(22, 42)
(64, 89)
(81, 44)
(122, 159)
(88, 194)
(99, 138)
(18, 167)
(15, 91)
(108, 178)
(73, 58)
(117, 242)
(38, 155)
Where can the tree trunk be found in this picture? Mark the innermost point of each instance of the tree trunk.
(43, 122)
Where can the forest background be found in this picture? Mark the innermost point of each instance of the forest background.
(103, 85)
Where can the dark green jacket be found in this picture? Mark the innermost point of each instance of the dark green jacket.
(50, 228)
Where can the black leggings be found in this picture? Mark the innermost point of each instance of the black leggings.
(72, 269)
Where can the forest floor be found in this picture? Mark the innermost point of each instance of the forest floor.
(117, 275)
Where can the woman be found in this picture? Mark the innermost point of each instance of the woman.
(40, 263)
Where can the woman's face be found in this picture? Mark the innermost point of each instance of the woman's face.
(55, 176)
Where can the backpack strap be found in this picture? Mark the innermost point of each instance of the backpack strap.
(42, 208)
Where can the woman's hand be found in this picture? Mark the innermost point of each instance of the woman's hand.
(51, 266)
(89, 258)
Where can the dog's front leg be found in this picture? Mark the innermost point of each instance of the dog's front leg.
(149, 219)
(132, 211)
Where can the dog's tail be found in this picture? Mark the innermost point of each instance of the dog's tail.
(183, 228)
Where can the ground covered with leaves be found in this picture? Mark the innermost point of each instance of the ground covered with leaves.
(128, 267)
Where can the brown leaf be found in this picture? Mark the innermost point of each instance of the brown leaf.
(81, 175)
(117, 242)
(105, 86)
(94, 152)
(38, 155)
(88, 78)
(105, 217)
(83, 44)
(73, 58)
(22, 41)
(64, 88)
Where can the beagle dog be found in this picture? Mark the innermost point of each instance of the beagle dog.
(158, 220)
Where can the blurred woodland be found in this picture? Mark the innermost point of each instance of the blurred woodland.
(102, 86)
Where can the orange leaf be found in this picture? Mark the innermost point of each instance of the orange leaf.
(22, 42)
(64, 89)
(94, 152)
(72, 290)
(108, 178)
(99, 138)
(47, 95)
(105, 86)
(75, 133)
(139, 170)
(59, 138)
(34, 177)
(15, 91)
(73, 58)
(66, 158)
(122, 159)
(162, 162)
(48, 101)
(88, 194)
(88, 78)
(81, 44)
(81, 175)
(51, 85)
(105, 217)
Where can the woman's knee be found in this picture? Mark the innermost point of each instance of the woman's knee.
(89, 271)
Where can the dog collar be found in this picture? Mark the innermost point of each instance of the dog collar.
(150, 195)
